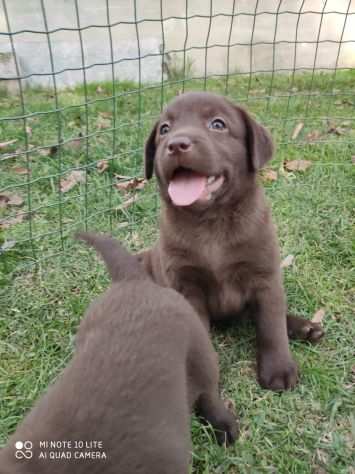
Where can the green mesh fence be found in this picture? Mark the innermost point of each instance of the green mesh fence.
(73, 125)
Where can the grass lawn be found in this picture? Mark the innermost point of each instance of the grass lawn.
(47, 280)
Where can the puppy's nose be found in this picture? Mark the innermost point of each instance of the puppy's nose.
(179, 145)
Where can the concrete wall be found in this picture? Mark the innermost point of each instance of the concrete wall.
(275, 25)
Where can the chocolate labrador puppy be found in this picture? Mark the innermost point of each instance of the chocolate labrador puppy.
(218, 245)
(142, 360)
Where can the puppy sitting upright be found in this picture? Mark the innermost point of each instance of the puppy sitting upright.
(142, 360)
(217, 243)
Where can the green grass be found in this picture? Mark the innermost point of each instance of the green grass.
(308, 430)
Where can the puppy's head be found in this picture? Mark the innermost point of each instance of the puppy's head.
(205, 150)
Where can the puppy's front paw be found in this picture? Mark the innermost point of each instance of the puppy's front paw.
(277, 373)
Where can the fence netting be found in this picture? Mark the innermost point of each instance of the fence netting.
(82, 82)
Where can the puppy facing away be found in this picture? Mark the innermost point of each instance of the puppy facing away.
(143, 359)
(217, 245)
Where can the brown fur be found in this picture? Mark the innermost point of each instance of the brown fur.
(222, 254)
(142, 361)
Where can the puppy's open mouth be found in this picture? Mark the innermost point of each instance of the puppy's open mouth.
(187, 187)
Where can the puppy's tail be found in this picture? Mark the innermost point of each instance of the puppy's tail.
(120, 264)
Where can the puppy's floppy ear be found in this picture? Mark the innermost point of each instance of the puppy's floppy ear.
(258, 140)
(149, 153)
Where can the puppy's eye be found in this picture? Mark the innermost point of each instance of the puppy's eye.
(164, 129)
(217, 124)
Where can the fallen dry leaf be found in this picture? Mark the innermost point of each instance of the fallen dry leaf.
(51, 151)
(127, 203)
(134, 183)
(141, 184)
(44, 152)
(334, 128)
(15, 200)
(313, 136)
(297, 165)
(121, 176)
(282, 171)
(76, 142)
(3, 145)
(73, 178)
(105, 115)
(20, 170)
(318, 316)
(103, 123)
(10, 199)
(102, 166)
(337, 131)
(269, 175)
(287, 261)
(327, 438)
(297, 130)
(10, 221)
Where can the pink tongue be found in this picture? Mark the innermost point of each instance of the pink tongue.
(186, 187)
